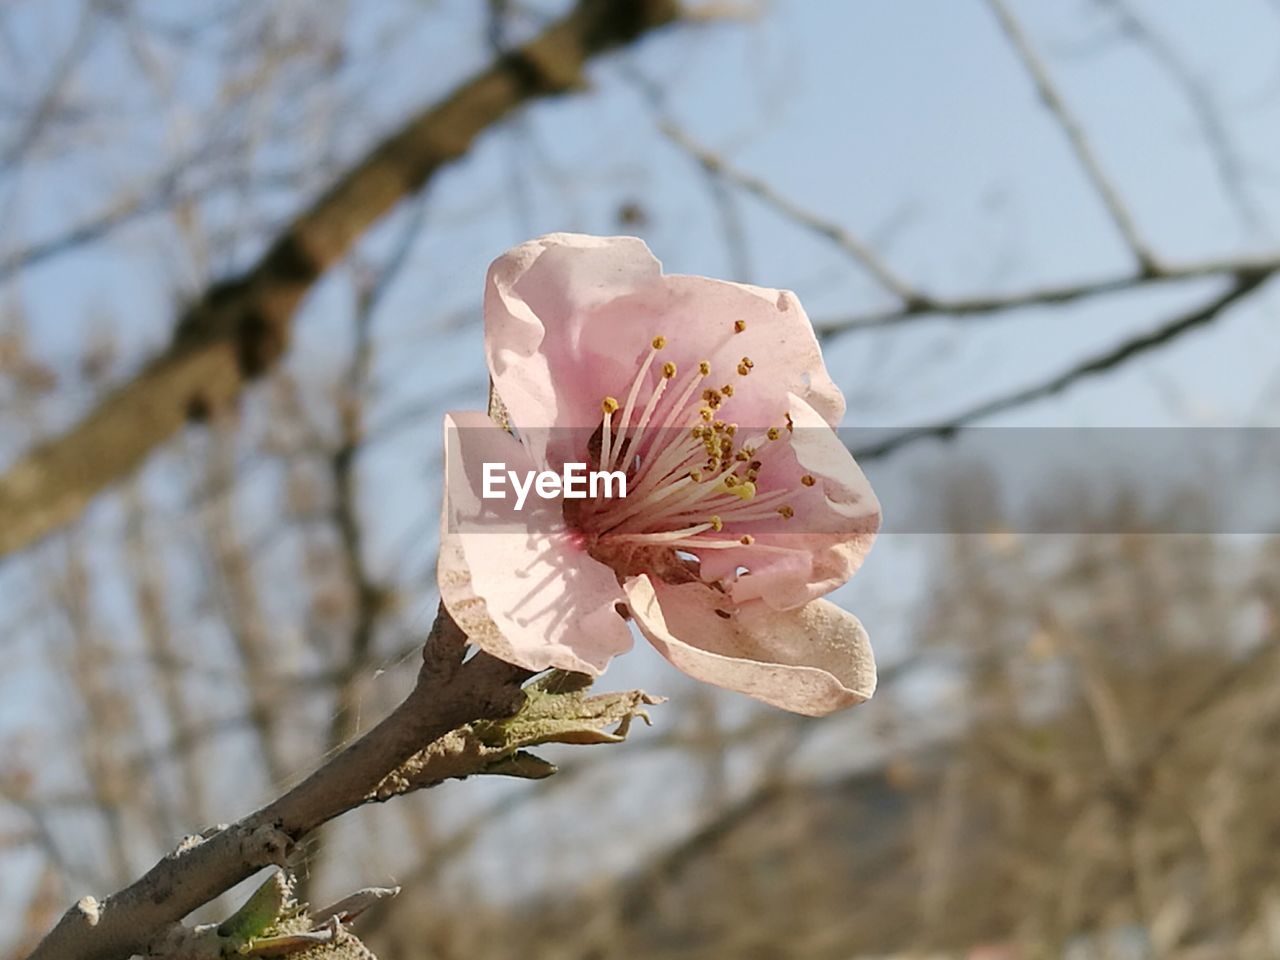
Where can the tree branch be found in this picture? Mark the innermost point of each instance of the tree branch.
(1244, 285)
(1074, 132)
(450, 693)
(241, 327)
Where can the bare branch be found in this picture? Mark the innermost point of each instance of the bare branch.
(1075, 135)
(847, 241)
(241, 327)
(449, 694)
(931, 307)
(1244, 285)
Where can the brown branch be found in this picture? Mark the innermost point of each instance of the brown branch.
(848, 241)
(449, 694)
(241, 327)
(1244, 285)
(1074, 132)
(1052, 295)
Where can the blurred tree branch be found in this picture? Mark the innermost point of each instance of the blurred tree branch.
(450, 693)
(240, 328)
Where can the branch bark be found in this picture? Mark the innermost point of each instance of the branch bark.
(241, 327)
(449, 694)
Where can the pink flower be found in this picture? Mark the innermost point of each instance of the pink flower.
(743, 508)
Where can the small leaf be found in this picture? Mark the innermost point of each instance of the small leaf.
(261, 911)
(522, 764)
(568, 717)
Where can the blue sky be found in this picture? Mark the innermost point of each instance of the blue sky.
(907, 121)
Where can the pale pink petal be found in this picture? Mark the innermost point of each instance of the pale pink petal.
(795, 560)
(519, 584)
(569, 318)
(813, 660)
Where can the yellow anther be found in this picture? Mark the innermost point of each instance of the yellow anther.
(747, 540)
(742, 456)
(739, 326)
(695, 476)
(752, 475)
(786, 512)
(772, 433)
(730, 481)
(704, 367)
(731, 429)
(668, 369)
(706, 414)
(727, 389)
(659, 342)
(743, 369)
(609, 405)
(808, 480)
(716, 524)
(696, 433)
(718, 426)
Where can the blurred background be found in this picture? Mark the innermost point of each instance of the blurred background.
(1001, 213)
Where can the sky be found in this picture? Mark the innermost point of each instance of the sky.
(908, 122)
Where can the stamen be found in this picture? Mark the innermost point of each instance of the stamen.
(659, 342)
(786, 512)
(808, 480)
(669, 370)
(747, 540)
(739, 326)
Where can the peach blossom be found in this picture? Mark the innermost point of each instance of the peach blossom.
(743, 507)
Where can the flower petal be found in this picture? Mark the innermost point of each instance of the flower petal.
(813, 660)
(569, 319)
(518, 583)
(795, 560)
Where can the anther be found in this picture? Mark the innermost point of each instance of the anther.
(706, 414)
(739, 326)
(659, 342)
(716, 523)
(772, 433)
(669, 370)
(786, 512)
(747, 540)
(808, 480)
(704, 367)
(727, 389)
(609, 405)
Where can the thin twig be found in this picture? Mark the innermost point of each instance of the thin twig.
(1075, 135)
(1109, 359)
(449, 694)
(848, 241)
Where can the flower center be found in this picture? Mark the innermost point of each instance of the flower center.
(695, 480)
